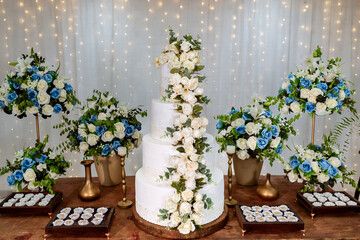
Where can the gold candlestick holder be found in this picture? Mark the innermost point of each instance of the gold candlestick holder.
(37, 127)
(230, 201)
(313, 129)
(125, 203)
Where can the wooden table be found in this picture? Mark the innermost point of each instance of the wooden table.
(327, 226)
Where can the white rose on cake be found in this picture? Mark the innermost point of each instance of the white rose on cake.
(197, 218)
(186, 228)
(198, 206)
(189, 65)
(186, 132)
(43, 98)
(190, 184)
(204, 121)
(242, 143)
(174, 219)
(42, 85)
(192, 166)
(177, 136)
(192, 84)
(107, 136)
(188, 141)
(331, 102)
(178, 89)
(174, 79)
(185, 46)
(196, 123)
(251, 142)
(29, 175)
(176, 197)
(189, 150)
(242, 154)
(197, 134)
(175, 177)
(185, 208)
(83, 147)
(334, 161)
(171, 206)
(199, 91)
(47, 110)
(189, 97)
(295, 107)
(187, 195)
(92, 139)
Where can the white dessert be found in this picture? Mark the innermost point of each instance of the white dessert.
(83, 222)
(89, 210)
(307, 195)
(260, 219)
(351, 203)
(250, 218)
(311, 199)
(18, 195)
(102, 210)
(61, 215)
(329, 204)
(292, 219)
(270, 219)
(333, 199)
(317, 204)
(86, 216)
(68, 222)
(257, 208)
(97, 221)
(66, 210)
(340, 203)
(58, 222)
(327, 194)
(74, 216)
(78, 210)
(283, 208)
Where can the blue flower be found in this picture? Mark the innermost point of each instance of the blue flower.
(274, 130)
(305, 167)
(116, 145)
(36, 104)
(289, 89)
(32, 94)
(261, 142)
(266, 134)
(80, 138)
(278, 150)
(18, 175)
(42, 159)
(347, 93)
(27, 163)
(294, 162)
(219, 125)
(68, 87)
(93, 118)
(340, 103)
(309, 107)
(11, 97)
(266, 113)
(290, 76)
(53, 73)
(324, 164)
(333, 171)
(289, 100)
(138, 127)
(305, 83)
(2, 104)
(106, 150)
(125, 122)
(35, 77)
(16, 85)
(100, 130)
(318, 148)
(57, 108)
(48, 78)
(341, 83)
(55, 93)
(233, 111)
(11, 180)
(129, 130)
(246, 116)
(322, 86)
(34, 69)
(240, 129)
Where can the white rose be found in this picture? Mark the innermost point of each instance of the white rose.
(83, 147)
(92, 139)
(63, 93)
(322, 178)
(32, 187)
(43, 98)
(312, 99)
(275, 142)
(250, 128)
(197, 134)
(189, 150)
(175, 197)
(251, 142)
(41, 166)
(119, 126)
(196, 123)
(321, 108)
(199, 91)
(42, 85)
(304, 93)
(82, 130)
(32, 110)
(189, 65)
(292, 176)
(138, 141)
(186, 132)
(130, 147)
(192, 166)
(287, 167)
(334, 161)
(198, 206)
(186, 228)
(204, 121)
(174, 79)
(190, 184)
(316, 92)
(238, 122)
(171, 206)
(330, 77)
(184, 81)
(102, 116)
(91, 127)
(187, 109)
(315, 167)
(185, 46)
(189, 97)
(136, 134)
(16, 110)
(341, 95)
(59, 84)
(242, 154)
(285, 85)
(188, 141)
(295, 107)
(197, 218)
(47, 110)
(29, 175)
(178, 89)
(53, 175)
(187, 195)
(331, 102)
(242, 143)
(185, 208)
(174, 219)
(266, 121)
(69, 106)
(285, 109)
(192, 84)
(177, 136)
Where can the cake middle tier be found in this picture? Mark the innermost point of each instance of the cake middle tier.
(156, 156)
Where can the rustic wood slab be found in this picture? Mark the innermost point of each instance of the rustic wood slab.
(164, 232)
(32, 210)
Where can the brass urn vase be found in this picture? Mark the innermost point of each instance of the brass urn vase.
(268, 191)
(89, 191)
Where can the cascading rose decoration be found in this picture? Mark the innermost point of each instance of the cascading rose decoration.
(318, 166)
(35, 167)
(35, 88)
(255, 131)
(185, 208)
(103, 127)
(319, 88)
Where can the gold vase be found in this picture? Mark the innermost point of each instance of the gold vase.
(108, 170)
(89, 191)
(268, 191)
(247, 171)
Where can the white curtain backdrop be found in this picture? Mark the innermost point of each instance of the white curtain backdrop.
(248, 47)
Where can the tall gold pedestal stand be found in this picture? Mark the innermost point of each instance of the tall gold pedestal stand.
(230, 201)
(125, 203)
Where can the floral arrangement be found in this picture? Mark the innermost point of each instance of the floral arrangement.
(318, 166)
(188, 173)
(319, 88)
(255, 131)
(35, 167)
(103, 127)
(36, 88)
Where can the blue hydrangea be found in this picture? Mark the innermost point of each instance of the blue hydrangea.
(55, 93)
(11, 180)
(290, 76)
(266, 113)
(339, 106)
(106, 150)
(305, 167)
(48, 78)
(240, 129)
(332, 172)
(289, 89)
(79, 138)
(57, 108)
(309, 107)
(34, 69)
(294, 162)
(125, 122)
(347, 93)
(36, 104)
(11, 97)
(18, 175)
(324, 164)
(138, 127)
(261, 142)
(305, 83)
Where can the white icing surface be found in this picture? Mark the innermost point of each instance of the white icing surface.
(162, 117)
(165, 74)
(151, 196)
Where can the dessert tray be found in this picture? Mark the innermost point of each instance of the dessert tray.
(81, 221)
(328, 202)
(30, 203)
(268, 218)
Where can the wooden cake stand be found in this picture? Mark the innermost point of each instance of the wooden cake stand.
(164, 232)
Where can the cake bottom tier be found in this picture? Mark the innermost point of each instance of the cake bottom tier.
(151, 197)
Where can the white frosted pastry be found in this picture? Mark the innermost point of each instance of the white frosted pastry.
(329, 204)
(351, 203)
(317, 204)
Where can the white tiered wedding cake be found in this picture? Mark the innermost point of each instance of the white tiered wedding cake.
(155, 193)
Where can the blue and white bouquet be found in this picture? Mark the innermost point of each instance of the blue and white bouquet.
(35, 88)
(103, 127)
(318, 166)
(35, 167)
(319, 88)
(256, 131)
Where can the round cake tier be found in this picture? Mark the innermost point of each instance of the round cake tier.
(165, 74)
(162, 117)
(156, 156)
(151, 197)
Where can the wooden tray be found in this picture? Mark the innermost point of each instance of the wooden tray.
(90, 230)
(33, 210)
(268, 226)
(327, 209)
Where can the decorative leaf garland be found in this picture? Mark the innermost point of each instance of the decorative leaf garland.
(188, 172)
